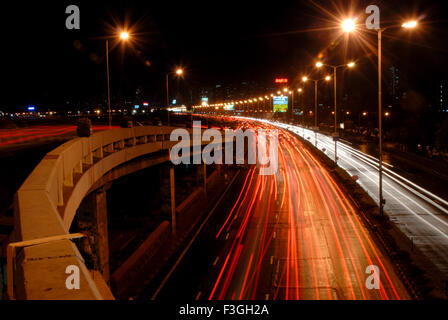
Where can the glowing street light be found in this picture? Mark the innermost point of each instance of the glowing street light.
(409, 24)
(124, 35)
(304, 79)
(179, 72)
(328, 78)
(348, 25)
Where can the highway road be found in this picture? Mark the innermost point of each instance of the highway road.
(420, 214)
(293, 235)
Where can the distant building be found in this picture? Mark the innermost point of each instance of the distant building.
(394, 84)
(443, 96)
(220, 93)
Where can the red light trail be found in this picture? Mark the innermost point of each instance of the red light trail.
(295, 235)
(38, 133)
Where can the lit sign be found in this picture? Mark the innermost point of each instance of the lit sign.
(174, 101)
(229, 107)
(31, 108)
(145, 104)
(281, 80)
(280, 103)
(204, 99)
(136, 106)
(178, 109)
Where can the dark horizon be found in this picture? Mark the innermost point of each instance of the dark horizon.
(220, 43)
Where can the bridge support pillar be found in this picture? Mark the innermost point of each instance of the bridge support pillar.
(92, 221)
(102, 233)
(173, 200)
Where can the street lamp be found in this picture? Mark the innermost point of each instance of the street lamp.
(335, 134)
(348, 25)
(406, 25)
(123, 36)
(300, 90)
(304, 79)
(178, 72)
(409, 24)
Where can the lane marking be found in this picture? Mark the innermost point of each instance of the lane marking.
(198, 295)
(216, 261)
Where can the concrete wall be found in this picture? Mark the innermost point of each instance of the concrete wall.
(46, 203)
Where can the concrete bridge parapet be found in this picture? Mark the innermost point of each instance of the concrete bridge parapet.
(46, 203)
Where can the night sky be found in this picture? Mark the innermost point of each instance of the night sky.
(217, 42)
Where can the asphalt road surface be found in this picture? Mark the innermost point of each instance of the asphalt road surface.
(292, 235)
(420, 214)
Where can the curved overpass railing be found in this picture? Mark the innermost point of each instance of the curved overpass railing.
(46, 204)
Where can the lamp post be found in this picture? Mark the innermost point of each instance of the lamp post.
(123, 36)
(292, 104)
(108, 84)
(349, 26)
(300, 90)
(305, 79)
(178, 72)
(266, 104)
(335, 134)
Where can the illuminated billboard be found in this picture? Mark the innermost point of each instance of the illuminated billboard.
(281, 80)
(280, 103)
(229, 107)
(178, 109)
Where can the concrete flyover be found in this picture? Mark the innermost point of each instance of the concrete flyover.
(46, 204)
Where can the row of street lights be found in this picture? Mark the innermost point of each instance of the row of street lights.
(349, 26)
(335, 68)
